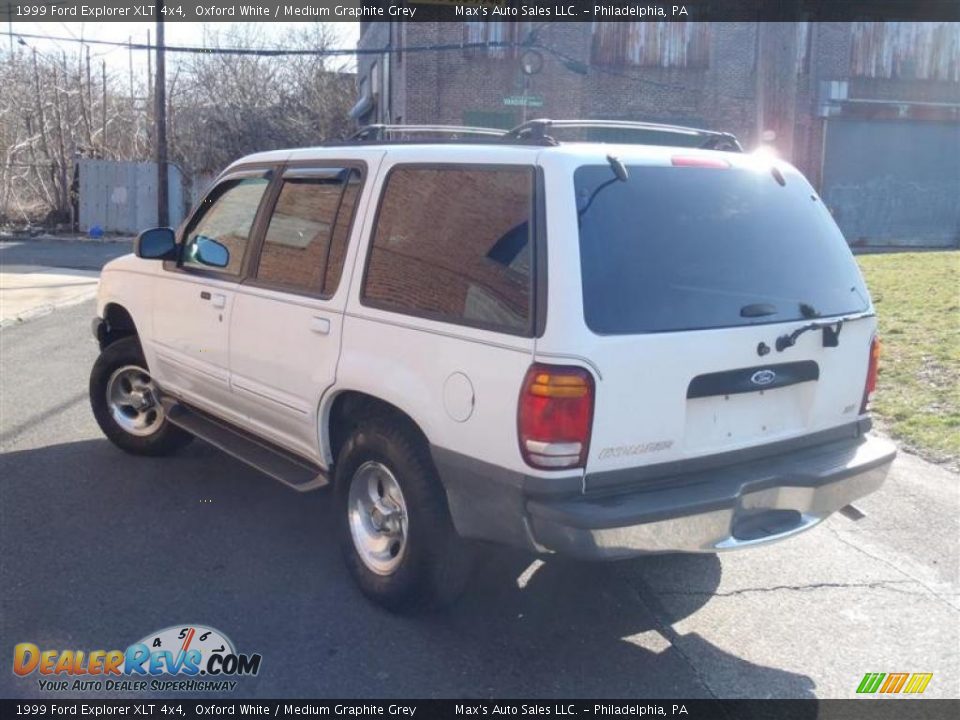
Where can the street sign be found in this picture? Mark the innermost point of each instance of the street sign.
(521, 100)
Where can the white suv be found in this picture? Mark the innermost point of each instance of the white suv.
(598, 349)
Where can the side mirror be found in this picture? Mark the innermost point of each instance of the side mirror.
(210, 252)
(156, 244)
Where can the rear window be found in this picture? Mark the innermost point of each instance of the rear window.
(684, 248)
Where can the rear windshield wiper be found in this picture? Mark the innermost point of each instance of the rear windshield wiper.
(831, 330)
(620, 174)
(831, 334)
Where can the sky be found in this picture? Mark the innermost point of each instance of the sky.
(177, 33)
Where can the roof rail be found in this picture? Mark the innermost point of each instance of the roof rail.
(537, 131)
(532, 132)
(386, 133)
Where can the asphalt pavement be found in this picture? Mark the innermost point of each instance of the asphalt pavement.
(37, 277)
(98, 549)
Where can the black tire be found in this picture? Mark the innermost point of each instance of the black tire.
(436, 563)
(164, 439)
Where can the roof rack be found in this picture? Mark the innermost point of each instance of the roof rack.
(386, 133)
(532, 132)
(537, 130)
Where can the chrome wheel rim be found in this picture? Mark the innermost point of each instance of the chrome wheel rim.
(132, 399)
(378, 517)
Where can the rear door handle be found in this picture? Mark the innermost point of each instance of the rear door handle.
(219, 300)
(320, 325)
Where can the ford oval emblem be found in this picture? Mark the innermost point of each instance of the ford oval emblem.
(763, 377)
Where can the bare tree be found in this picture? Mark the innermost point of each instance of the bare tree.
(45, 123)
(225, 106)
(53, 109)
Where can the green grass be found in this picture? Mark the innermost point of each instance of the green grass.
(917, 296)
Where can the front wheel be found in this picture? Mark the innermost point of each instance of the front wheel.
(394, 527)
(125, 402)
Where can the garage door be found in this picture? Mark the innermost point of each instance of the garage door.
(894, 182)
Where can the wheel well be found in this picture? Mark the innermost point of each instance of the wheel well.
(119, 324)
(350, 407)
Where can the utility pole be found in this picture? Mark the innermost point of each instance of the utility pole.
(149, 105)
(89, 84)
(163, 216)
(130, 60)
(103, 86)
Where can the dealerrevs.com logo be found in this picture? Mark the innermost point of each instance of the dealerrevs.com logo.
(199, 657)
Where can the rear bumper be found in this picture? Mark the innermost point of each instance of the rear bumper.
(710, 510)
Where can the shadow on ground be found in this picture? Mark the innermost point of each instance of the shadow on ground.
(100, 548)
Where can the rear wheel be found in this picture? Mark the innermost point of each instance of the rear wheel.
(393, 524)
(126, 405)
(378, 517)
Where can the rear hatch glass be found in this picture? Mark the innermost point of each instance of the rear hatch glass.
(686, 248)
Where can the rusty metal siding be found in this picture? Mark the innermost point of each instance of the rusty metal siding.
(908, 50)
(651, 44)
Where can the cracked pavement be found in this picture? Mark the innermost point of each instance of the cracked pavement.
(97, 549)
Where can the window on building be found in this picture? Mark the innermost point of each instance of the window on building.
(376, 113)
(454, 244)
(306, 238)
(225, 216)
(509, 33)
(651, 44)
(375, 80)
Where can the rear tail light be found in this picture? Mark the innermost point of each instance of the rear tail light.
(554, 416)
(873, 368)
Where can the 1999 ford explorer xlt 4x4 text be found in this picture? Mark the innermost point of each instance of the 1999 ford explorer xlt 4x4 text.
(597, 349)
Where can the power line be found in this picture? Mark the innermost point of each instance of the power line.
(565, 59)
(264, 51)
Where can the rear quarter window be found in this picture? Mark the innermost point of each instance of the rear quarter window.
(684, 248)
(453, 243)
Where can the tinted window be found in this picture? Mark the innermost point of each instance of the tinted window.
(341, 233)
(676, 248)
(306, 223)
(226, 216)
(455, 244)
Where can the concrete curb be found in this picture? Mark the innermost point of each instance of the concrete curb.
(44, 310)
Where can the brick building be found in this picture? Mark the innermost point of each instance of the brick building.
(870, 112)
